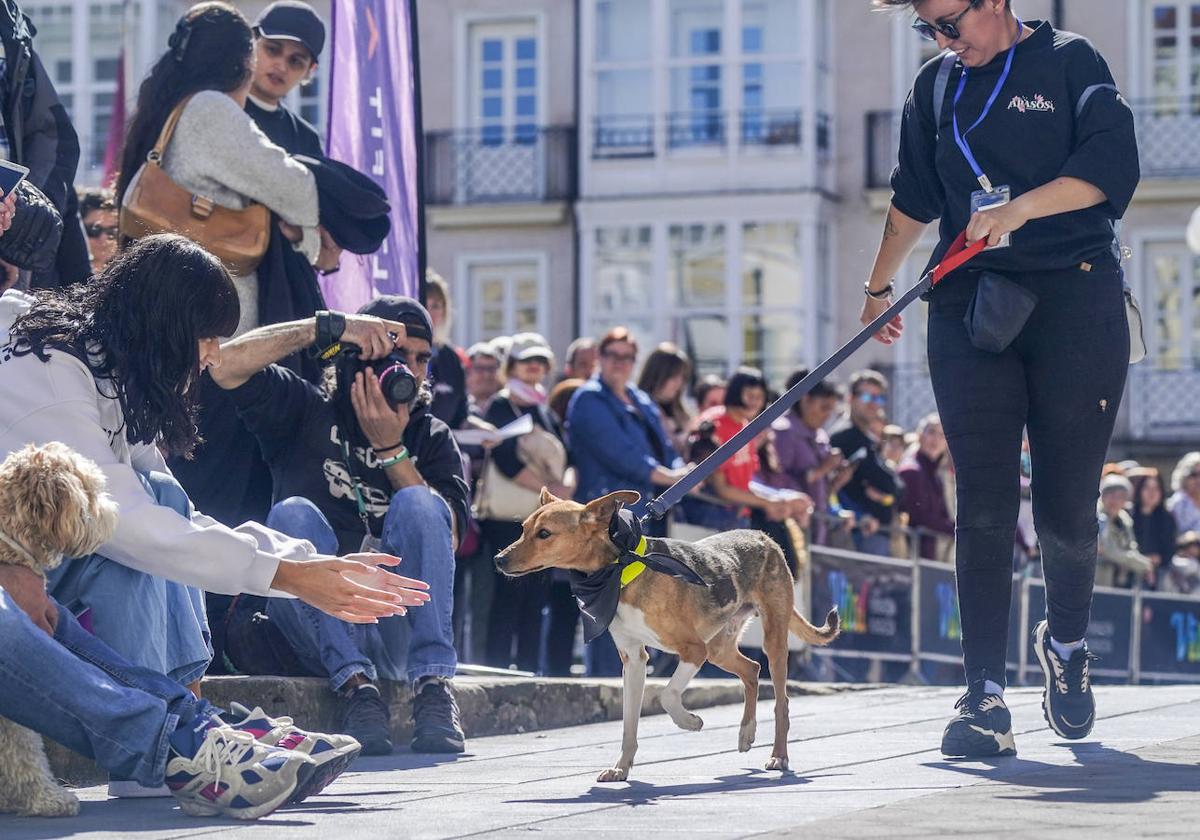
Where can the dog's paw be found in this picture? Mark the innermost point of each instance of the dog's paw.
(613, 774)
(746, 736)
(50, 802)
(776, 762)
(689, 721)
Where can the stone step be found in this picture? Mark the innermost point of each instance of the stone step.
(489, 706)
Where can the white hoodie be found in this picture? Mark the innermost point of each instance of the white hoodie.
(59, 400)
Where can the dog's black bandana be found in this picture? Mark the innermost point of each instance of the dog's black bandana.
(599, 592)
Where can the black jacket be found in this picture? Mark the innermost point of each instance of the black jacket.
(41, 137)
(873, 471)
(297, 429)
(354, 209)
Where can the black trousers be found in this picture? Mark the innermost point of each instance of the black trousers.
(1062, 380)
(516, 615)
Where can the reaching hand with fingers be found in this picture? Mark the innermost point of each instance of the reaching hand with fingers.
(872, 309)
(352, 588)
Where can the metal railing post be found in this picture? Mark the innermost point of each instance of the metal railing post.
(1135, 643)
(1023, 633)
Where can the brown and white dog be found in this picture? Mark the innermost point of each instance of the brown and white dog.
(746, 572)
(52, 505)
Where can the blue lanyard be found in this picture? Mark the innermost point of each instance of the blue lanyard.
(961, 139)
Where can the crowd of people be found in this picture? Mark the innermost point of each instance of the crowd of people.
(272, 458)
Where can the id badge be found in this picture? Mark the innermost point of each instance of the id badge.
(983, 200)
(371, 545)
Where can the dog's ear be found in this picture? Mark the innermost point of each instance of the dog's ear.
(547, 498)
(601, 510)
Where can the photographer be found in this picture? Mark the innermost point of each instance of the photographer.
(361, 461)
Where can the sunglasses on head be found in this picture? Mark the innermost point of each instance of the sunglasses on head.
(946, 28)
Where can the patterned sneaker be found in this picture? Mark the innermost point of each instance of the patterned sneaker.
(214, 770)
(332, 753)
(982, 727)
(1068, 702)
(436, 726)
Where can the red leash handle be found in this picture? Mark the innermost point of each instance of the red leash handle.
(957, 255)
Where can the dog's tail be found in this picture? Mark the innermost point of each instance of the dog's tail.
(815, 635)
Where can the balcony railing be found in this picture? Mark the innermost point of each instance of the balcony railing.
(1168, 134)
(632, 136)
(494, 165)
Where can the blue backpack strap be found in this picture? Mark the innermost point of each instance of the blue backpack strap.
(939, 88)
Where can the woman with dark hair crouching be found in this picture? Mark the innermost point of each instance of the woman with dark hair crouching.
(108, 369)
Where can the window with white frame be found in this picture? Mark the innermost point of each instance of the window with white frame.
(1171, 298)
(696, 116)
(1173, 56)
(771, 76)
(734, 291)
(732, 71)
(624, 78)
(503, 85)
(504, 297)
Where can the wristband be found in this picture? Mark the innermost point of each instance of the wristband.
(882, 294)
(330, 327)
(402, 455)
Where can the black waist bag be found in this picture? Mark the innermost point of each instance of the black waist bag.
(997, 312)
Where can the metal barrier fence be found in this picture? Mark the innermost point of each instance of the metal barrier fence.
(906, 611)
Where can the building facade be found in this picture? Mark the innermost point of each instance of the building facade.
(708, 172)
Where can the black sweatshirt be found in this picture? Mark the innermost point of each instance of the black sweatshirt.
(297, 428)
(289, 131)
(1031, 136)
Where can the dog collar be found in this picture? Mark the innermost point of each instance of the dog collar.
(599, 593)
(23, 552)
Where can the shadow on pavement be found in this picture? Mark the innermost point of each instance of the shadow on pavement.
(1100, 774)
(644, 793)
(128, 817)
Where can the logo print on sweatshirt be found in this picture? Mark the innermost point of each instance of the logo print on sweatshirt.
(1038, 103)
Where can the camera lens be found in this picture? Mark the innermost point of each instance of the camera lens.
(398, 384)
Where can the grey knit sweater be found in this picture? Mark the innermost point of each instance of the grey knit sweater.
(217, 151)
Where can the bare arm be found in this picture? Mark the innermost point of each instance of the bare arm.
(900, 235)
(249, 353)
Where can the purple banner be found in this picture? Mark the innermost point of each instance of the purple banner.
(373, 127)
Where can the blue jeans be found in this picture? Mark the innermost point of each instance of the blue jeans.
(417, 528)
(153, 622)
(76, 690)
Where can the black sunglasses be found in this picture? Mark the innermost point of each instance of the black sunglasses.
(96, 230)
(947, 28)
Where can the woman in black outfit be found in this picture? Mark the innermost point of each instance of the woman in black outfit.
(1028, 114)
(517, 603)
(1153, 525)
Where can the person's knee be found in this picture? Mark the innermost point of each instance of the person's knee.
(298, 517)
(418, 507)
(168, 492)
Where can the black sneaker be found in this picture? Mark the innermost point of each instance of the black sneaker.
(1068, 702)
(982, 727)
(366, 718)
(436, 726)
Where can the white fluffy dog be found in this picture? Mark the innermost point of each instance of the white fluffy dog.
(52, 505)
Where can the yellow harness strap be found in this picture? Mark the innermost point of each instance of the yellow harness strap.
(630, 573)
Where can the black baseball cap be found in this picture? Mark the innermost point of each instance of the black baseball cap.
(406, 311)
(291, 20)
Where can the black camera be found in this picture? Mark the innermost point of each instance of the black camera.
(397, 382)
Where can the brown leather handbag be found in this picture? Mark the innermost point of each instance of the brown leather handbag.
(154, 203)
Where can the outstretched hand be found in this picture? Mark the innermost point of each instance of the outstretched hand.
(352, 588)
